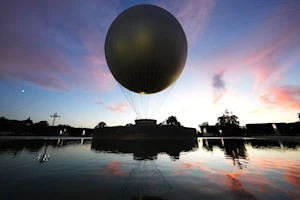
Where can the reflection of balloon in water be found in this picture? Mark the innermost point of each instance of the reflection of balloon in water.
(146, 50)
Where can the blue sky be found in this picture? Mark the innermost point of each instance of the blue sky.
(242, 55)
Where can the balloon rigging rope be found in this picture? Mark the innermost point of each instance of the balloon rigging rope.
(146, 105)
(123, 89)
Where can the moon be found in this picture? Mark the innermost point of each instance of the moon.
(23, 91)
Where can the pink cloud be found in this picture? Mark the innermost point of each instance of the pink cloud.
(119, 108)
(264, 58)
(56, 45)
(216, 98)
(287, 97)
(99, 102)
(95, 75)
(192, 15)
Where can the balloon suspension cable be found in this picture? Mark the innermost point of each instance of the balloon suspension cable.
(168, 92)
(127, 97)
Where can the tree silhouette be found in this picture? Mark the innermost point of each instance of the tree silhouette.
(101, 125)
(42, 123)
(227, 120)
(172, 121)
(229, 124)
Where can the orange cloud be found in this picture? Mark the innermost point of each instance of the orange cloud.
(290, 168)
(113, 169)
(187, 165)
(236, 180)
(292, 176)
(110, 169)
(232, 181)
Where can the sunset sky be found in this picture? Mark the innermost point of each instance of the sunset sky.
(243, 56)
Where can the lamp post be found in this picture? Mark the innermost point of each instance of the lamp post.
(54, 116)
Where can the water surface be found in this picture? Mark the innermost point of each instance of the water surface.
(207, 169)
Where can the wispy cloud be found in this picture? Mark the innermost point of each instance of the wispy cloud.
(260, 62)
(218, 85)
(267, 59)
(118, 108)
(56, 45)
(282, 96)
(99, 102)
(192, 15)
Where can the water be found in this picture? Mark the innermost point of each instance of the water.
(207, 169)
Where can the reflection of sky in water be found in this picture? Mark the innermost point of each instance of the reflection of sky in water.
(220, 169)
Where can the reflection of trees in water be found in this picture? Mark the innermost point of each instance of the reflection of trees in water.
(265, 144)
(145, 149)
(209, 144)
(36, 145)
(59, 143)
(9, 146)
(291, 145)
(236, 150)
(233, 149)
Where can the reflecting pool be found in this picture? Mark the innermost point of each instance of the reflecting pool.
(203, 169)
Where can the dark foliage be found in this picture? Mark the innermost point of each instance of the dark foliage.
(229, 124)
(172, 121)
(101, 125)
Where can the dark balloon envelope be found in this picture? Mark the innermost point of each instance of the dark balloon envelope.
(146, 49)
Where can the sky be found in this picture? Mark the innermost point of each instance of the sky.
(243, 56)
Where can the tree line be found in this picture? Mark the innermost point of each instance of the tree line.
(228, 125)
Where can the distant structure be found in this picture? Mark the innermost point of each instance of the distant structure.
(54, 116)
(145, 122)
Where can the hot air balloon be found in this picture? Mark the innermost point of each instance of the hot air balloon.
(146, 50)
